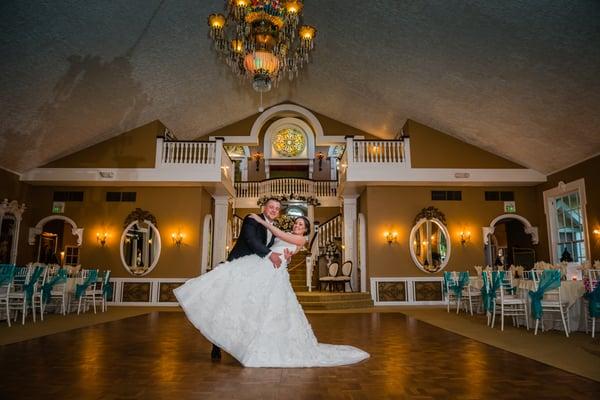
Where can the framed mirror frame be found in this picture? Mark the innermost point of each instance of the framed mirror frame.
(158, 247)
(12, 210)
(434, 216)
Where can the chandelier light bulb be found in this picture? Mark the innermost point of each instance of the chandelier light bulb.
(260, 39)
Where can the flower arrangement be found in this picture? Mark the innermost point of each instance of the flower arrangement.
(310, 200)
(284, 222)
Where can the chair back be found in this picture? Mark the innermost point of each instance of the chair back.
(7, 274)
(21, 277)
(591, 279)
(332, 269)
(347, 268)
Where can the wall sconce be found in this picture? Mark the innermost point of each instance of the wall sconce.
(465, 237)
(257, 157)
(596, 232)
(177, 238)
(101, 238)
(391, 237)
(320, 157)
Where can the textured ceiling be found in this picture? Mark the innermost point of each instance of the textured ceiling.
(518, 78)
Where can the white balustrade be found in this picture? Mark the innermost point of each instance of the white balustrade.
(330, 230)
(378, 151)
(188, 152)
(286, 186)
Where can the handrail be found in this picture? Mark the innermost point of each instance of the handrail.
(378, 140)
(305, 179)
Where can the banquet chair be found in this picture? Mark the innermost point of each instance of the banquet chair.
(17, 296)
(454, 286)
(34, 288)
(471, 295)
(509, 305)
(592, 299)
(102, 289)
(7, 273)
(55, 288)
(332, 270)
(548, 285)
(86, 291)
(345, 277)
(36, 295)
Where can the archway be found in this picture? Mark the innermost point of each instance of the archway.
(58, 240)
(509, 240)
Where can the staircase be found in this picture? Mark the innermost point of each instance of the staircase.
(322, 300)
(297, 270)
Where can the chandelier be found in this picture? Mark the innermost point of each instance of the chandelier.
(261, 40)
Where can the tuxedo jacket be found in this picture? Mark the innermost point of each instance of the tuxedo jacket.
(252, 239)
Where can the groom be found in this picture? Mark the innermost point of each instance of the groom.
(255, 239)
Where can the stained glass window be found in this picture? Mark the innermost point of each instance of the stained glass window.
(289, 142)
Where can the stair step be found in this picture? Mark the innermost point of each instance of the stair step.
(336, 305)
(324, 296)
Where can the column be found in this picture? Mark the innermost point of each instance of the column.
(349, 236)
(219, 253)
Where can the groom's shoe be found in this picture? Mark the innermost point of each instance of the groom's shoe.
(215, 354)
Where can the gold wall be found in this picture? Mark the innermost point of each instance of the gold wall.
(470, 214)
(132, 149)
(11, 188)
(430, 148)
(589, 170)
(174, 208)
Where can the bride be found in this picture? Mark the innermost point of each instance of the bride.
(249, 309)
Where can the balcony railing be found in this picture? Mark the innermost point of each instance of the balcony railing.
(377, 151)
(285, 187)
(176, 153)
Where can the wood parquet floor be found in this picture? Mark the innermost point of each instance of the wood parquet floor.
(162, 356)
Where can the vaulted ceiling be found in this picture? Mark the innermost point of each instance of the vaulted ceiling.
(518, 78)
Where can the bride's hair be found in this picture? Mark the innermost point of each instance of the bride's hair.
(306, 225)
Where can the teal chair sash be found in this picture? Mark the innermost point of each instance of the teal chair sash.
(7, 273)
(107, 288)
(28, 287)
(463, 281)
(593, 299)
(61, 277)
(497, 280)
(549, 280)
(448, 281)
(91, 278)
(486, 298)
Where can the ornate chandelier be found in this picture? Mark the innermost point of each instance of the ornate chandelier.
(260, 39)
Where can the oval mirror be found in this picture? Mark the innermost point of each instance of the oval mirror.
(140, 247)
(430, 245)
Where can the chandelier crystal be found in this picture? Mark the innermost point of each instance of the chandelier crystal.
(262, 39)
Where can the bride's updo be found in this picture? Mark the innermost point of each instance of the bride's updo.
(306, 225)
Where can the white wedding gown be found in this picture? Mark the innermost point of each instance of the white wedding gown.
(248, 308)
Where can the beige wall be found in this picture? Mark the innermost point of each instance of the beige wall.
(330, 126)
(133, 149)
(394, 209)
(430, 148)
(589, 171)
(11, 188)
(174, 208)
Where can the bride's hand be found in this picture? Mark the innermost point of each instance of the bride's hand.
(257, 219)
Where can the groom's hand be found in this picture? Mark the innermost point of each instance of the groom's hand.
(275, 259)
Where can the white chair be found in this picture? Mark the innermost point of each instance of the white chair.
(17, 298)
(345, 277)
(89, 277)
(58, 291)
(593, 277)
(7, 273)
(509, 305)
(36, 298)
(552, 303)
(471, 295)
(99, 291)
(450, 282)
(332, 270)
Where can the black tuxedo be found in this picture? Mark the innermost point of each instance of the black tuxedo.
(252, 239)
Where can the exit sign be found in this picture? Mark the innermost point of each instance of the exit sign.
(510, 207)
(58, 207)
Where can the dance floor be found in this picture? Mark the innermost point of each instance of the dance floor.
(162, 356)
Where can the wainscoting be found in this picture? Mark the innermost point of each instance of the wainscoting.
(145, 292)
(407, 291)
